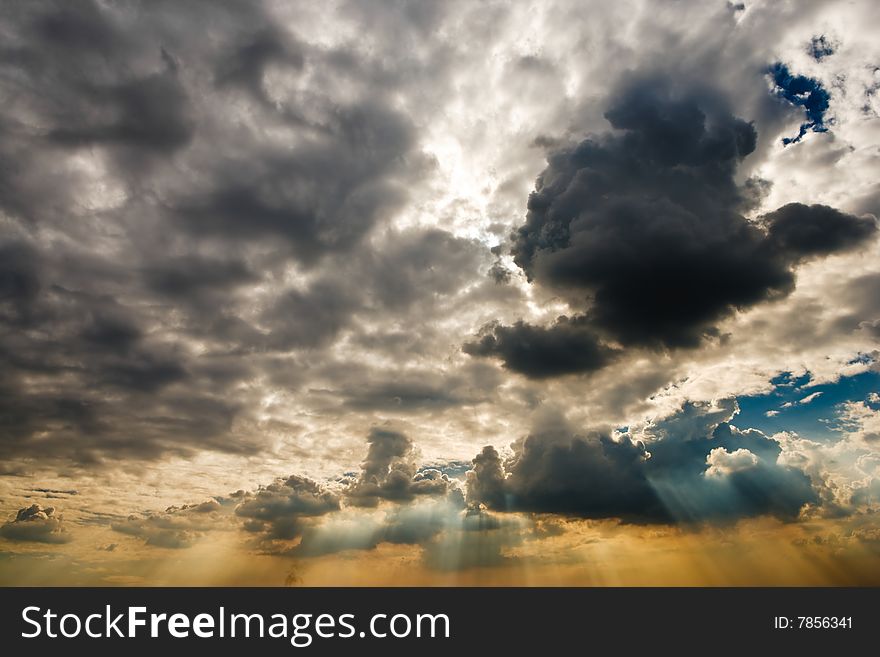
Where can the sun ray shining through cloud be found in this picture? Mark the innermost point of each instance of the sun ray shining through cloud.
(439, 293)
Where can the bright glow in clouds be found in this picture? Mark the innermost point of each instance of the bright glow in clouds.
(490, 293)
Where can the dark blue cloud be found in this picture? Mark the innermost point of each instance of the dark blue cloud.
(804, 92)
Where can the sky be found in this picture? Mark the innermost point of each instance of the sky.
(482, 293)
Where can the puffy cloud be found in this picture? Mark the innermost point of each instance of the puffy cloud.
(860, 422)
(803, 231)
(277, 510)
(486, 481)
(844, 469)
(692, 467)
(390, 472)
(591, 476)
(38, 524)
(721, 462)
(177, 527)
(566, 347)
(645, 225)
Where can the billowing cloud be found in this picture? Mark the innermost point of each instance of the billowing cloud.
(644, 226)
(567, 346)
(845, 470)
(721, 462)
(692, 467)
(801, 231)
(38, 524)
(590, 476)
(177, 527)
(390, 472)
(277, 510)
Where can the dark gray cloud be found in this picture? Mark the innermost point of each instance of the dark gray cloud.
(486, 481)
(590, 476)
(568, 346)
(323, 197)
(695, 467)
(644, 227)
(38, 524)
(416, 390)
(196, 279)
(805, 231)
(246, 65)
(278, 510)
(390, 472)
(172, 166)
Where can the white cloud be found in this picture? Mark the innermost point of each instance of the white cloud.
(721, 462)
(809, 398)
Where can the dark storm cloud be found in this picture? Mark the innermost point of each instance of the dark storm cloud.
(645, 227)
(86, 83)
(645, 221)
(403, 396)
(568, 346)
(696, 467)
(390, 472)
(67, 350)
(804, 231)
(803, 92)
(152, 115)
(246, 65)
(281, 510)
(322, 197)
(36, 524)
(589, 476)
(196, 279)
(164, 168)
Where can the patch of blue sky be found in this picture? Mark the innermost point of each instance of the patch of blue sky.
(810, 411)
(802, 91)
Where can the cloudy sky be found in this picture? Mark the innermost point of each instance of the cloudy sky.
(390, 292)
